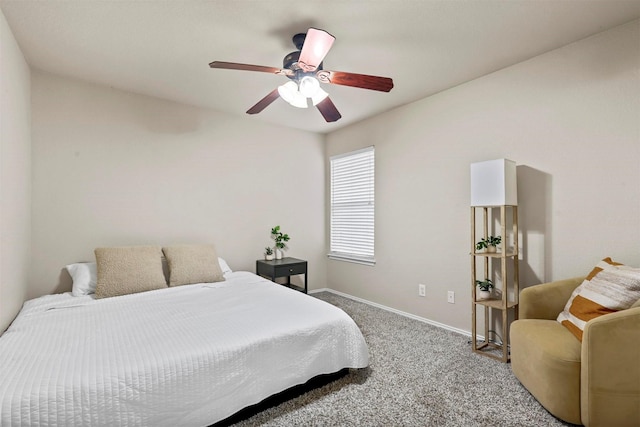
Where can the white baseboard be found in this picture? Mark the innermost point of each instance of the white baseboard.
(393, 310)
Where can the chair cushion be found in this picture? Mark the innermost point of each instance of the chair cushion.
(545, 357)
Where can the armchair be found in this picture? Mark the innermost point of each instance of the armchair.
(595, 382)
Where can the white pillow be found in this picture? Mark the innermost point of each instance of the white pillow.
(224, 266)
(85, 276)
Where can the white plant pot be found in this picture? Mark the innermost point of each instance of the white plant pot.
(278, 253)
(268, 257)
(482, 295)
(491, 249)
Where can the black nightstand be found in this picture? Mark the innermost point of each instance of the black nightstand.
(285, 267)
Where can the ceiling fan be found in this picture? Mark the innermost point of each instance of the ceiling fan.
(304, 69)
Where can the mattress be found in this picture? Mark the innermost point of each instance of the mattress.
(189, 355)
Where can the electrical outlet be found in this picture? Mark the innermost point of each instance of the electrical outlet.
(451, 297)
(422, 290)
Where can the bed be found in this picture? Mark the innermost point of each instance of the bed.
(187, 355)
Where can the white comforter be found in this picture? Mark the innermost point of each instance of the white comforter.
(184, 356)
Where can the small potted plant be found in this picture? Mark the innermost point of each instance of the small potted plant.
(280, 239)
(489, 244)
(268, 253)
(485, 289)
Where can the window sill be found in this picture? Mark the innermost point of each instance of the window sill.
(355, 260)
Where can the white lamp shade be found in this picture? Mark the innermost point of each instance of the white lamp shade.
(319, 96)
(309, 86)
(289, 92)
(299, 100)
(493, 183)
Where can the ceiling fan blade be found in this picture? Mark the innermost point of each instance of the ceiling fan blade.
(363, 81)
(248, 67)
(264, 102)
(328, 110)
(316, 46)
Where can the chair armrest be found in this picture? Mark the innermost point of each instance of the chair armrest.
(547, 300)
(610, 370)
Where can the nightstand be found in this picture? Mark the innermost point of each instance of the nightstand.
(285, 267)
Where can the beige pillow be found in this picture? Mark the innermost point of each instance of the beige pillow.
(610, 287)
(190, 264)
(128, 270)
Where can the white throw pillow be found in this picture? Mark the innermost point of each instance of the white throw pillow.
(224, 266)
(84, 276)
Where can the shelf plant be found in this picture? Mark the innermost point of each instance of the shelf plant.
(281, 239)
(489, 243)
(485, 285)
(485, 288)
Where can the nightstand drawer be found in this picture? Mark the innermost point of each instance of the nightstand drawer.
(290, 270)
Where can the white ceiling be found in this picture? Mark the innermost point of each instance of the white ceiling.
(162, 48)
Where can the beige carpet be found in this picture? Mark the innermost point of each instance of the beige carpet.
(419, 375)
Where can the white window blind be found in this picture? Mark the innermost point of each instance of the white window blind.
(352, 206)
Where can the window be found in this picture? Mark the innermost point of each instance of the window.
(352, 206)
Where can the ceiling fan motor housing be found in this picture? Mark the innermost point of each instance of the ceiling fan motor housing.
(289, 63)
(298, 40)
(290, 60)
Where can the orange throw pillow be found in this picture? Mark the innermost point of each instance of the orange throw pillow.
(610, 287)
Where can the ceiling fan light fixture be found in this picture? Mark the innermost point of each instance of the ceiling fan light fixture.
(318, 97)
(286, 91)
(309, 86)
(289, 92)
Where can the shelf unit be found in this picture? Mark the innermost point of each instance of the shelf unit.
(508, 299)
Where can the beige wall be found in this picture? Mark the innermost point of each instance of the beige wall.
(569, 118)
(115, 168)
(15, 175)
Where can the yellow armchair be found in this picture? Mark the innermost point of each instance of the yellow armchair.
(595, 382)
